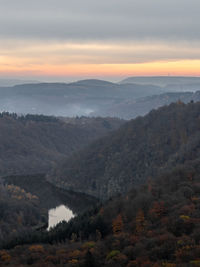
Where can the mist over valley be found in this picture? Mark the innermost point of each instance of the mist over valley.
(100, 133)
(97, 97)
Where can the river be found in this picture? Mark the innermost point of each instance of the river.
(59, 214)
(58, 203)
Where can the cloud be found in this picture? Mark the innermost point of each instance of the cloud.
(100, 20)
(40, 52)
(108, 36)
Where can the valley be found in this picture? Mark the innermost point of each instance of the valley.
(99, 133)
(32, 144)
(102, 191)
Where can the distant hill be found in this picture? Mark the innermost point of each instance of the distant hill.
(133, 97)
(130, 109)
(140, 149)
(94, 82)
(174, 81)
(13, 82)
(31, 144)
(74, 99)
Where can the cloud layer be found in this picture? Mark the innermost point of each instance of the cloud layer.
(100, 20)
(34, 33)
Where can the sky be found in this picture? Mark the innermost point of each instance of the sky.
(107, 39)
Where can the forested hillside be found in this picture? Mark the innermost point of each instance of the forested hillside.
(154, 225)
(20, 212)
(140, 149)
(33, 143)
(154, 161)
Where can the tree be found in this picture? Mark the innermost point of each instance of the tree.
(117, 224)
(140, 222)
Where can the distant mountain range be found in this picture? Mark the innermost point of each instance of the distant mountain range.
(13, 82)
(130, 109)
(74, 99)
(132, 97)
(177, 82)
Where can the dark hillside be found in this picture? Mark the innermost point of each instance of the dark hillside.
(33, 143)
(140, 149)
(20, 212)
(154, 225)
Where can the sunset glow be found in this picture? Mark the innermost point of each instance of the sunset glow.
(179, 68)
(73, 59)
(115, 38)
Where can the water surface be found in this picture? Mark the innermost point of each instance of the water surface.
(58, 204)
(59, 214)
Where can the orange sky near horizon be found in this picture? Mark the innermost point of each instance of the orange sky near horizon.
(177, 68)
(38, 59)
(99, 39)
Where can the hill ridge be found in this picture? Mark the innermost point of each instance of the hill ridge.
(139, 149)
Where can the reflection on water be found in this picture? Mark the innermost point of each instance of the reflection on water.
(59, 214)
